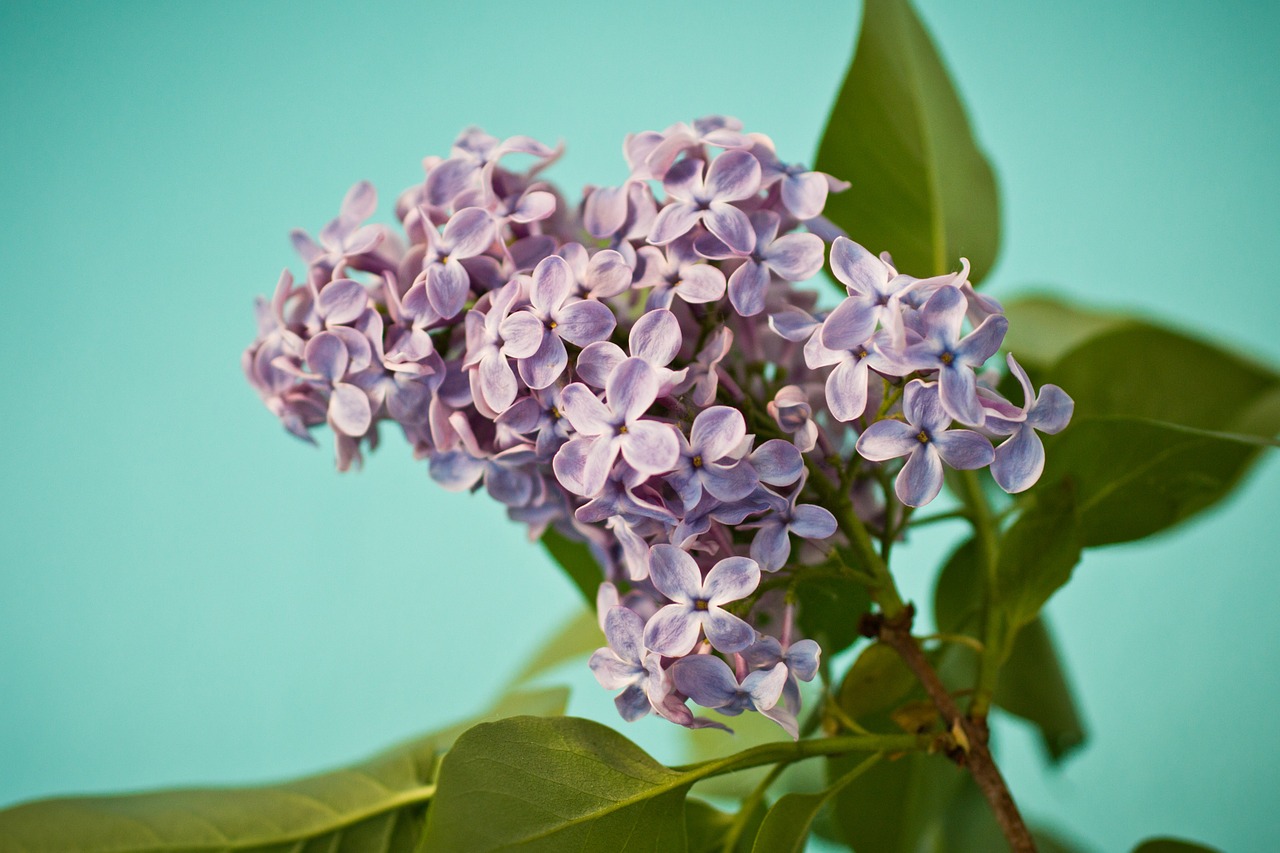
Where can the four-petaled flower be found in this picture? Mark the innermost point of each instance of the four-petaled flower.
(697, 602)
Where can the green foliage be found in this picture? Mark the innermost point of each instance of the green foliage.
(1037, 553)
(828, 607)
(1033, 684)
(566, 784)
(876, 683)
(786, 827)
(1172, 845)
(708, 828)
(576, 560)
(897, 805)
(378, 805)
(921, 188)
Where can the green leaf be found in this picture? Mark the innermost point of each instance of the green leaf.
(554, 785)
(1145, 371)
(921, 188)
(786, 827)
(1172, 845)
(580, 636)
(708, 744)
(897, 805)
(877, 682)
(577, 561)
(1134, 477)
(707, 827)
(375, 806)
(1038, 552)
(1034, 686)
(828, 607)
(1042, 329)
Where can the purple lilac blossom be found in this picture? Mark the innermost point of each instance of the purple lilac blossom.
(657, 393)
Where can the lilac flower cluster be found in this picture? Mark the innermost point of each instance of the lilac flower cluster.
(641, 372)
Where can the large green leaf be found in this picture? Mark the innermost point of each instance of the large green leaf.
(1134, 477)
(1042, 329)
(708, 827)
(375, 806)
(554, 785)
(921, 188)
(877, 682)
(1033, 686)
(576, 560)
(897, 805)
(1038, 552)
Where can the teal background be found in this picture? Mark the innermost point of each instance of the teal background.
(188, 595)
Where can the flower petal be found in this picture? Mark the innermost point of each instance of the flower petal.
(673, 630)
(795, 257)
(584, 410)
(673, 221)
(584, 322)
(650, 447)
(624, 629)
(342, 301)
(920, 479)
(805, 194)
(731, 579)
(847, 389)
(887, 440)
(1019, 461)
(522, 334)
(748, 285)
(858, 269)
(731, 225)
(733, 176)
(963, 449)
(851, 323)
(716, 432)
(726, 632)
(777, 462)
(326, 355)
(812, 522)
(468, 232)
(771, 546)
(700, 283)
(674, 573)
(544, 367)
(631, 389)
(656, 337)
(447, 288)
(705, 679)
(597, 362)
(349, 410)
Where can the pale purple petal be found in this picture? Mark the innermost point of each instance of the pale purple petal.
(700, 283)
(805, 194)
(982, 343)
(733, 176)
(850, 325)
(747, 287)
(552, 284)
(497, 382)
(674, 573)
(656, 337)
(847, 389)
(1019, 461)
(457, 470)
(544, 367)
(605, 211)
(1051, 411)
(673, 630)
(360, 202)
(793, 324)
(765, 686)
(612, 673)
(795, 257)
(447, 288)
(448, 179)
(468, 232)
(730, 483)
(920, 479)
(777, 462)
(342, 301)
(624, 630)
(731, 579)
(584, 322)
(632, 389)
(632, 703)
(731, 225)
(598, 464)
(705, 679)
(857, 268)
(726, 632)
(813, 522)
(364, 240)
(534, 206)
(570, 462)
(326, 355)
(923, 406)
(522, 334)
(650, 447)
(598, 361)
(608, 274)
(887, 440)
(802, 659)
(673, 221)
(963, 449)
(943, 313)
(959, 394)
(584, 410)
(349, 411)
(508, 486)
(716, 432)
(683, 181)
(771, 547)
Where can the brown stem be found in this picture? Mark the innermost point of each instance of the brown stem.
(975, 754)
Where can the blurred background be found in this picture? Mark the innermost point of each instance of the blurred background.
(188, 595)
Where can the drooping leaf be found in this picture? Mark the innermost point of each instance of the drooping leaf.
(1034, 686)
(970, 826)
(1033, 683)
(876, 683)
(1038, 552)
(553, 785)
(921, 188)
(378, 805)
(577, 561)
(786, 826)
(828, 607)
(580, 636)
(897, 805)
(1172, 845)
(1135, 477)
